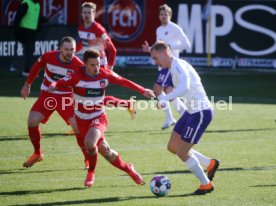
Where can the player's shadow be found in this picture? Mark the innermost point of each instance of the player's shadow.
(13, 138)
(26, 137)
(109, 133)
(105, 200)
(231, 169)
(159, 131)
(24, 171)
(31, 192)
(239, 130)
(274, 185)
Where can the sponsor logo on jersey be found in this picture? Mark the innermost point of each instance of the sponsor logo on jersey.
(94, 92)
(57, 76)
(125, 19)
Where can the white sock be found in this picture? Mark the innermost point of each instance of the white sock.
(168, 112)
(194, 166)
(205, 161)
(167, 109)
(179, 105)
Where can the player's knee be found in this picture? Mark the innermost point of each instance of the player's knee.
(92, 150)
(33, 122)
(106, 152)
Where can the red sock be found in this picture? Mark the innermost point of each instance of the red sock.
(92, 162)
(35, 137)
(116, 102)
(120, 164)
(80, 142)
(92, 158)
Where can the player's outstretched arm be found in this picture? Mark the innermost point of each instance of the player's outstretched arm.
(112, 52)
(25, 91)
(148, 93)
(68, 81)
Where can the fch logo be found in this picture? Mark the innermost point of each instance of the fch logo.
(125, 18)
(10, 8)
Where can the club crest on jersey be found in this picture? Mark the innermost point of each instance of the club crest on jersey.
(68, 72)
(102, 83)
(125, 19)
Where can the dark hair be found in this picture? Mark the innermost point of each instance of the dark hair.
(90, 53)
(68, 39)
(159, 45)
(89, 5)
(165, 7)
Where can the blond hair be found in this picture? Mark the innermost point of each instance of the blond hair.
(159, 46)
(89, 5)
(166, 8)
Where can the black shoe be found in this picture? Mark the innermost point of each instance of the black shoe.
(204, 189)
(212, 168)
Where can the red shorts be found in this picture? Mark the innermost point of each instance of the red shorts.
(47, 103)
(99, 122)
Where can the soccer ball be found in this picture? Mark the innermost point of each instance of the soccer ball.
(160, 185)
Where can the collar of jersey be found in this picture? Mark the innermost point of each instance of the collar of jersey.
(88, 75)
(58, 53)
(89, 26)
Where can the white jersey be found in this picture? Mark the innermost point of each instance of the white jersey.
(187, 84)
(174, 36)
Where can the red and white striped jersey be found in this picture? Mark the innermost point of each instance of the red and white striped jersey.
(89, 91)
(95, 37)
(55, 69)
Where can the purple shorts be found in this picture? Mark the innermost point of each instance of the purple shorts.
(164, 78)
(192, 126)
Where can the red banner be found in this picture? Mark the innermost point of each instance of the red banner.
(128, 22)
(9, 9)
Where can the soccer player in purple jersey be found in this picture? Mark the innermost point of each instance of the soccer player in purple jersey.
(196, 118)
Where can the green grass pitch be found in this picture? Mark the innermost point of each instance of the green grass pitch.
(243, 139)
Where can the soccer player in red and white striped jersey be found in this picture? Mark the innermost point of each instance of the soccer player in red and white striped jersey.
(57, 65)
(93, 35)
(89, 85)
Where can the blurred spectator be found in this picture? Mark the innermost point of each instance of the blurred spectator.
(177, 40)
(26, 25)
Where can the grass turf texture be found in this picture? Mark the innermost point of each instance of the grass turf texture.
(243, 139)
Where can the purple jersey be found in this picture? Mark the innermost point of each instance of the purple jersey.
(164, 78)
